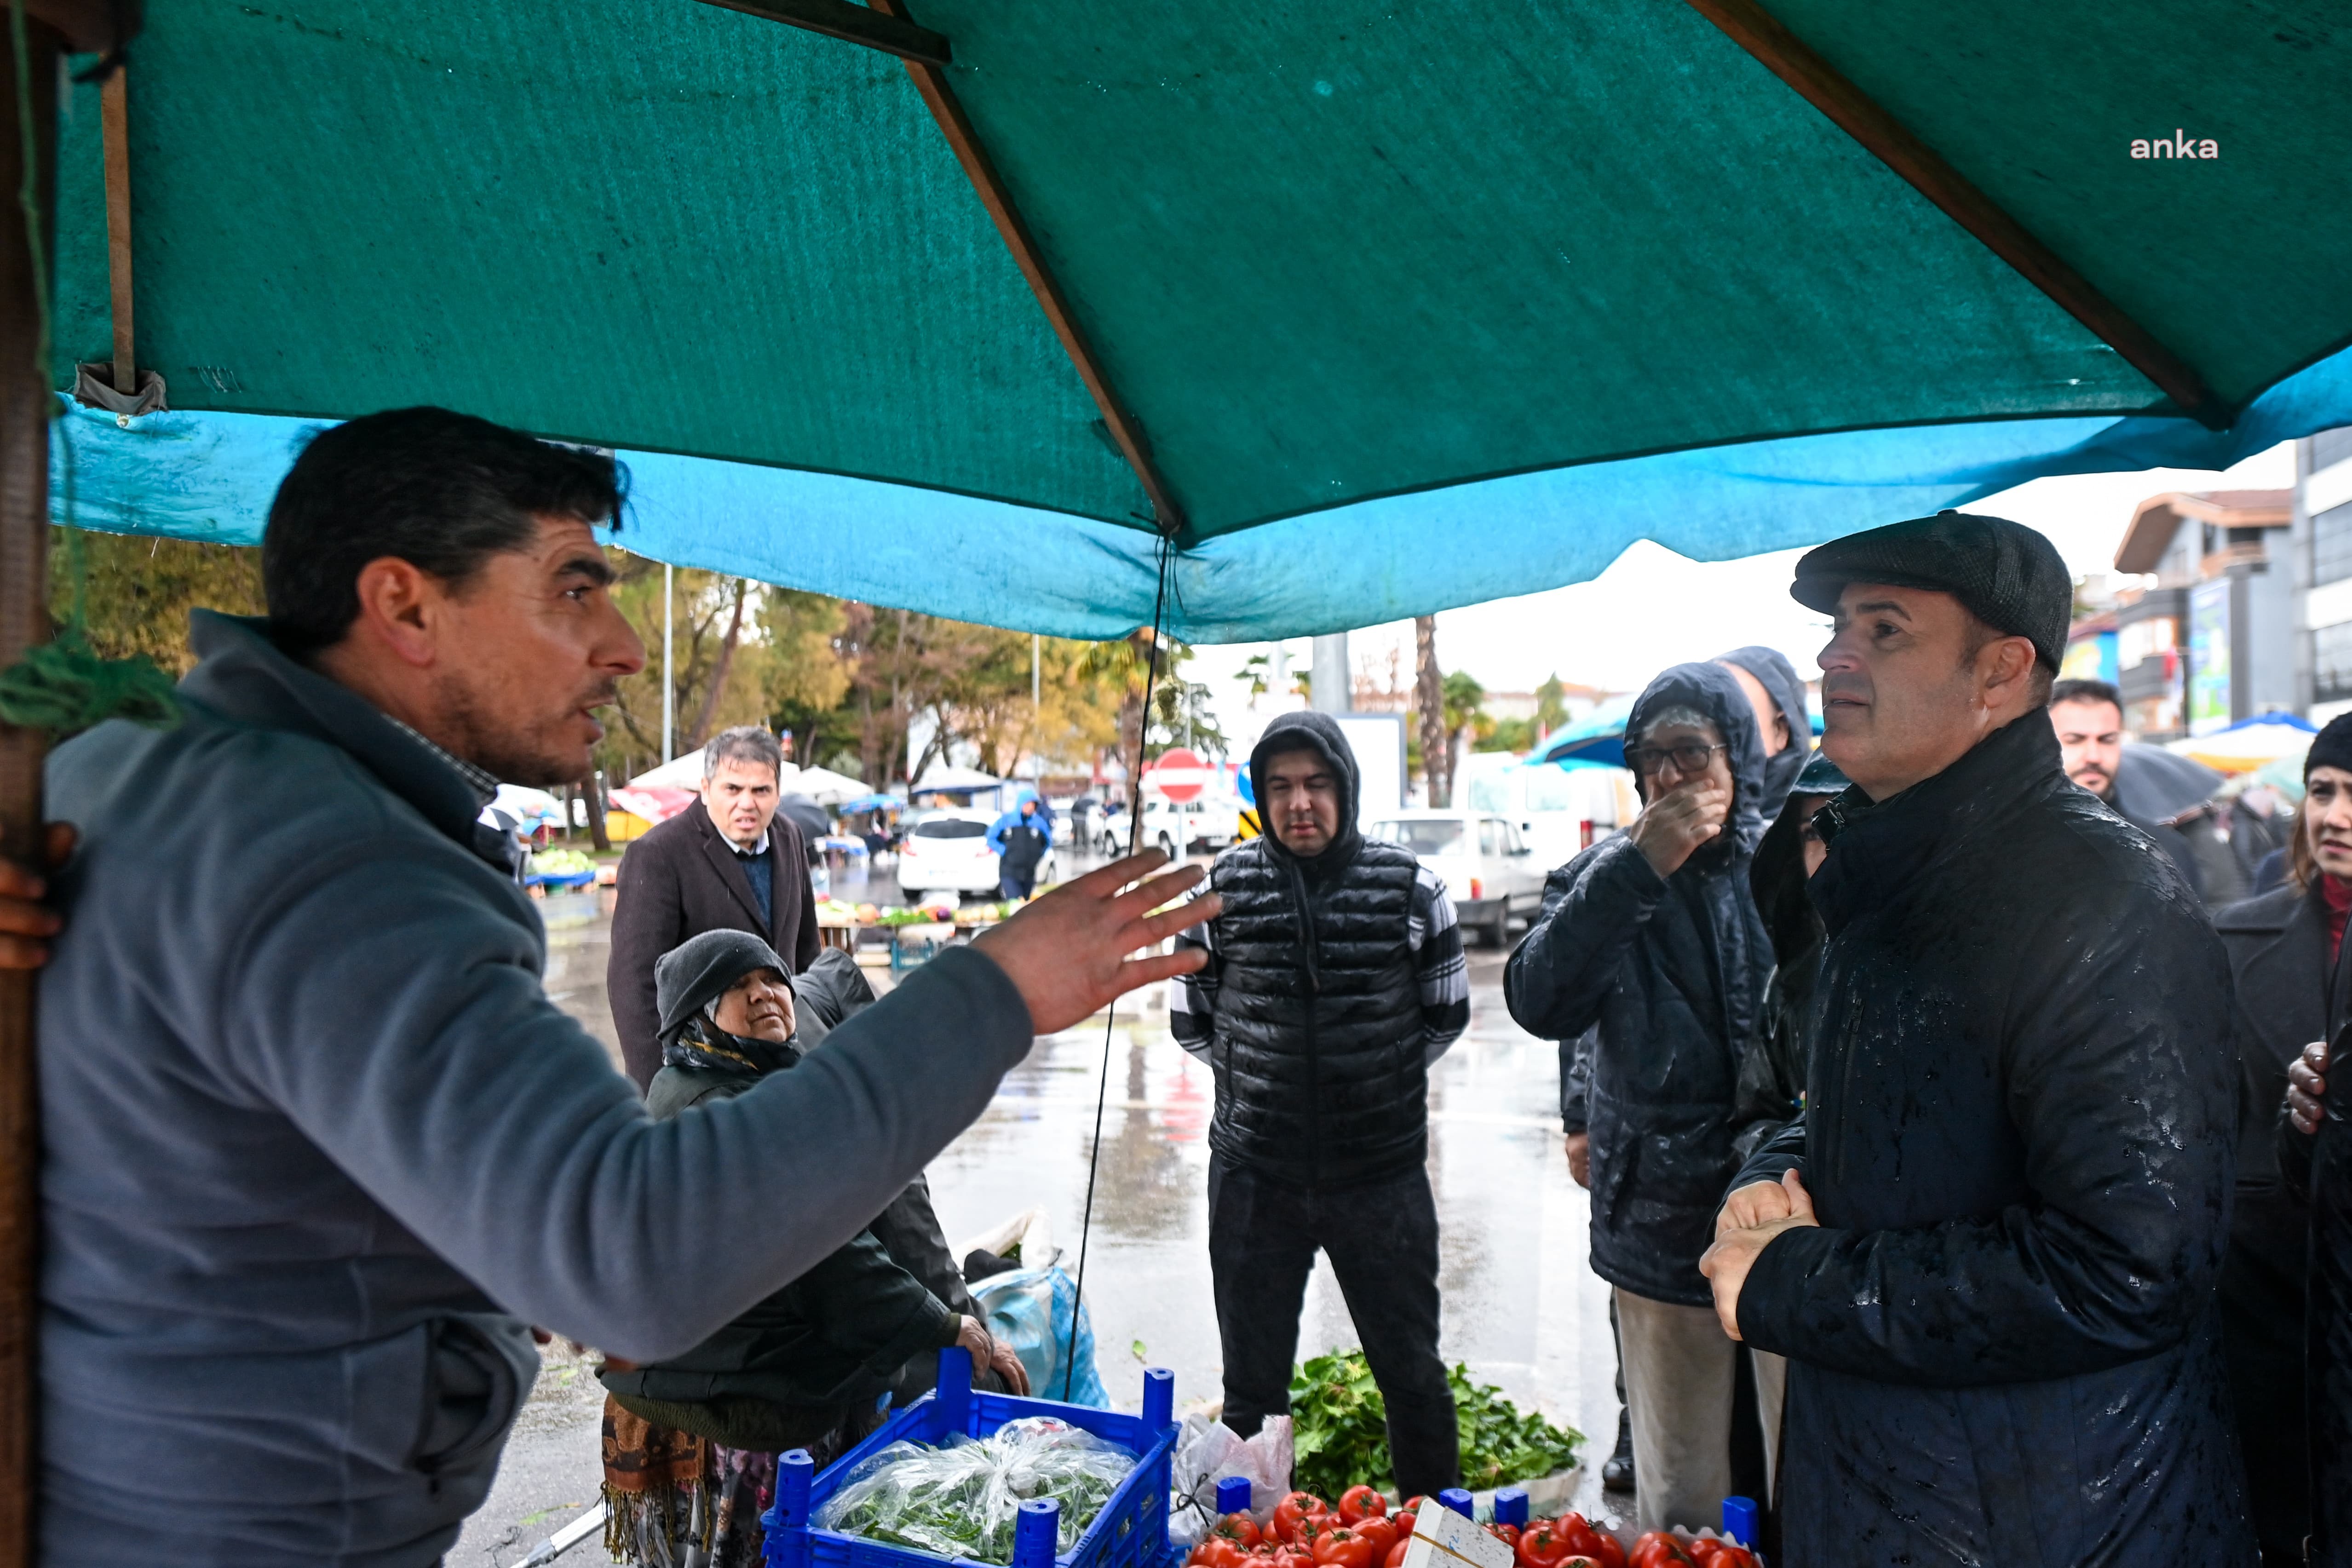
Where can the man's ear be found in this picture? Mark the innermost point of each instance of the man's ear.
(2005, 669)
(399, 608)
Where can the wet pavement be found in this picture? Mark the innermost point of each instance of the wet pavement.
(1521, 1308)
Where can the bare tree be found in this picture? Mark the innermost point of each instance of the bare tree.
(1429, 700)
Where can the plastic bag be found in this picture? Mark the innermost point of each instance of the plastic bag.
(1207, 1452)
(1030, 1310)
(959, 1499)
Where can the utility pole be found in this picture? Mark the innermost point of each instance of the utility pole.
(1332, 690)
(1036, 704)
(669, 692)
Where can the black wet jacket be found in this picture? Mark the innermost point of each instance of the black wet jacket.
(2319, 1169)
(1319, 1043)
(1672, 971)
(2278, 956)
(2019, 1138)
(867, 1318)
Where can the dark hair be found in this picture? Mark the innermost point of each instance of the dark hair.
(439, 490)
(2087, 691)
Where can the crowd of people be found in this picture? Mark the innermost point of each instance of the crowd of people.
(1970, 1189)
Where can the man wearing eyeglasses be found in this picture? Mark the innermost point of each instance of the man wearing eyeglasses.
(1654, 937)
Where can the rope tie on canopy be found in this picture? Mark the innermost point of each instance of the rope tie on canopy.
(1134, 836)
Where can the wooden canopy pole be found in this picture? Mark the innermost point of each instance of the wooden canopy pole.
(1790, 59)
(850, 23)
(28, 238)
(1126, 430)
(114, 128)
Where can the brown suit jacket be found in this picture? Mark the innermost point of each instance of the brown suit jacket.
(679, 881)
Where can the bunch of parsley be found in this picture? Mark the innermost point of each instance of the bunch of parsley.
(1339, 1431)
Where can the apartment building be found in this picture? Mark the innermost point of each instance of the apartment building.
(2321, 548)
(2213, 641)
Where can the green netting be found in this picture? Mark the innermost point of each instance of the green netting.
(1328, 252)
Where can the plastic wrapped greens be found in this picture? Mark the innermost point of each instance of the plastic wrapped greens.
(959, 1499)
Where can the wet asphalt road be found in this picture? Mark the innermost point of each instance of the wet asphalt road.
(1521, 1308)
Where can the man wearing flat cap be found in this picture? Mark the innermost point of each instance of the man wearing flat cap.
(1989, 1246)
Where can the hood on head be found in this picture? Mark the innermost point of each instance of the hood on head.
(1778, 678)
(1715, 692)
(1310, 732)
(698, 971)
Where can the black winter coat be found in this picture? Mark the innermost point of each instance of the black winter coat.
(2278, 956)
(865, 1320)
(2019, 1139)
(1672, 970)
(1321, 1066)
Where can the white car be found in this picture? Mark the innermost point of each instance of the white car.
(1487, 869)
(947, 852)
(1206, 826)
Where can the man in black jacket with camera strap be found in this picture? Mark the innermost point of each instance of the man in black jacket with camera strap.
(1334, 978)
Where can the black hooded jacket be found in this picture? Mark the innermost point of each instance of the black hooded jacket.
(1779, 677)
(1318, 1041)
(2019, 1138)
(866, 1319)
(1672, 971)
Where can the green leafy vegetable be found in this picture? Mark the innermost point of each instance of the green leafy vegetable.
(958, 1501)
(1339, 1431)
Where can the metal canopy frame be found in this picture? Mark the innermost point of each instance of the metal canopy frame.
(1887, 138)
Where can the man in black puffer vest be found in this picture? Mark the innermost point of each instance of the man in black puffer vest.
(1334, 978)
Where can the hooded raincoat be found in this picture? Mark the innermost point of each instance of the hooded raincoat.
(2019, 1140)
(1779, 677)
(1672, 971)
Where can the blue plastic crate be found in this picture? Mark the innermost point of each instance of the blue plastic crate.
(1132, 1532)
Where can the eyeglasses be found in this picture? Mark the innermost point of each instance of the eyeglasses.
(1688, 757)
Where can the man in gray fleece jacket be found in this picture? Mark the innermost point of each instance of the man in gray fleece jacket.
(317, 1148)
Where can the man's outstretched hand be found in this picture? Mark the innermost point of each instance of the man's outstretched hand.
(25, 922)
(1067, 953)
(1738, 1245)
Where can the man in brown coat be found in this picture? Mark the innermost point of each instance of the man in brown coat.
(731, 864)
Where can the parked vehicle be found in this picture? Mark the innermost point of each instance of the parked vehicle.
(946, 850)
(1200, 827)
(1561, 808)
(1488, 870)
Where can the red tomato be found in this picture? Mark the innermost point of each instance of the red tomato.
(1508, 1534)
(1359, 1503)
(1543, 1545)
(1702, 1552)
(1340, 1547)
(1380, 1532)
(1299, 1505)
(1396, 1554)
(1404, 1519)
(1660, 1549)
(1238, 1528)
(1217, 1552)
(1581, 1538)
(1292, 1557)
(1579, 1560)
(1611, 1550)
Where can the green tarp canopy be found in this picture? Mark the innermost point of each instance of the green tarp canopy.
(1410, 305)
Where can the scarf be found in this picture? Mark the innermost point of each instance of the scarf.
(705, 1047)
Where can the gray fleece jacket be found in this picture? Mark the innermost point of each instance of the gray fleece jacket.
(317, 1146)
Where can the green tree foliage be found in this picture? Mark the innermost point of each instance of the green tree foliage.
(138, 591)
(1551, 705)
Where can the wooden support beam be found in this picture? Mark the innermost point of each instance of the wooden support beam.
(852, 24)
(113, 119)
(1790, 59)
(26, 244)
(1126, 430)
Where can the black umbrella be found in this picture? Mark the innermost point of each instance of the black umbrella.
(808, 816)
(2153, 785)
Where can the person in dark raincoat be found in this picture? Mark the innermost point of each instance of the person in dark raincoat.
(1990, 1245)
(1652, 935)
(2304, 922)
(1772, 1068)
(2286, 954)
(1783, 727)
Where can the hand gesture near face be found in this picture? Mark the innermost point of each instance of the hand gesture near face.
(1677, 822)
